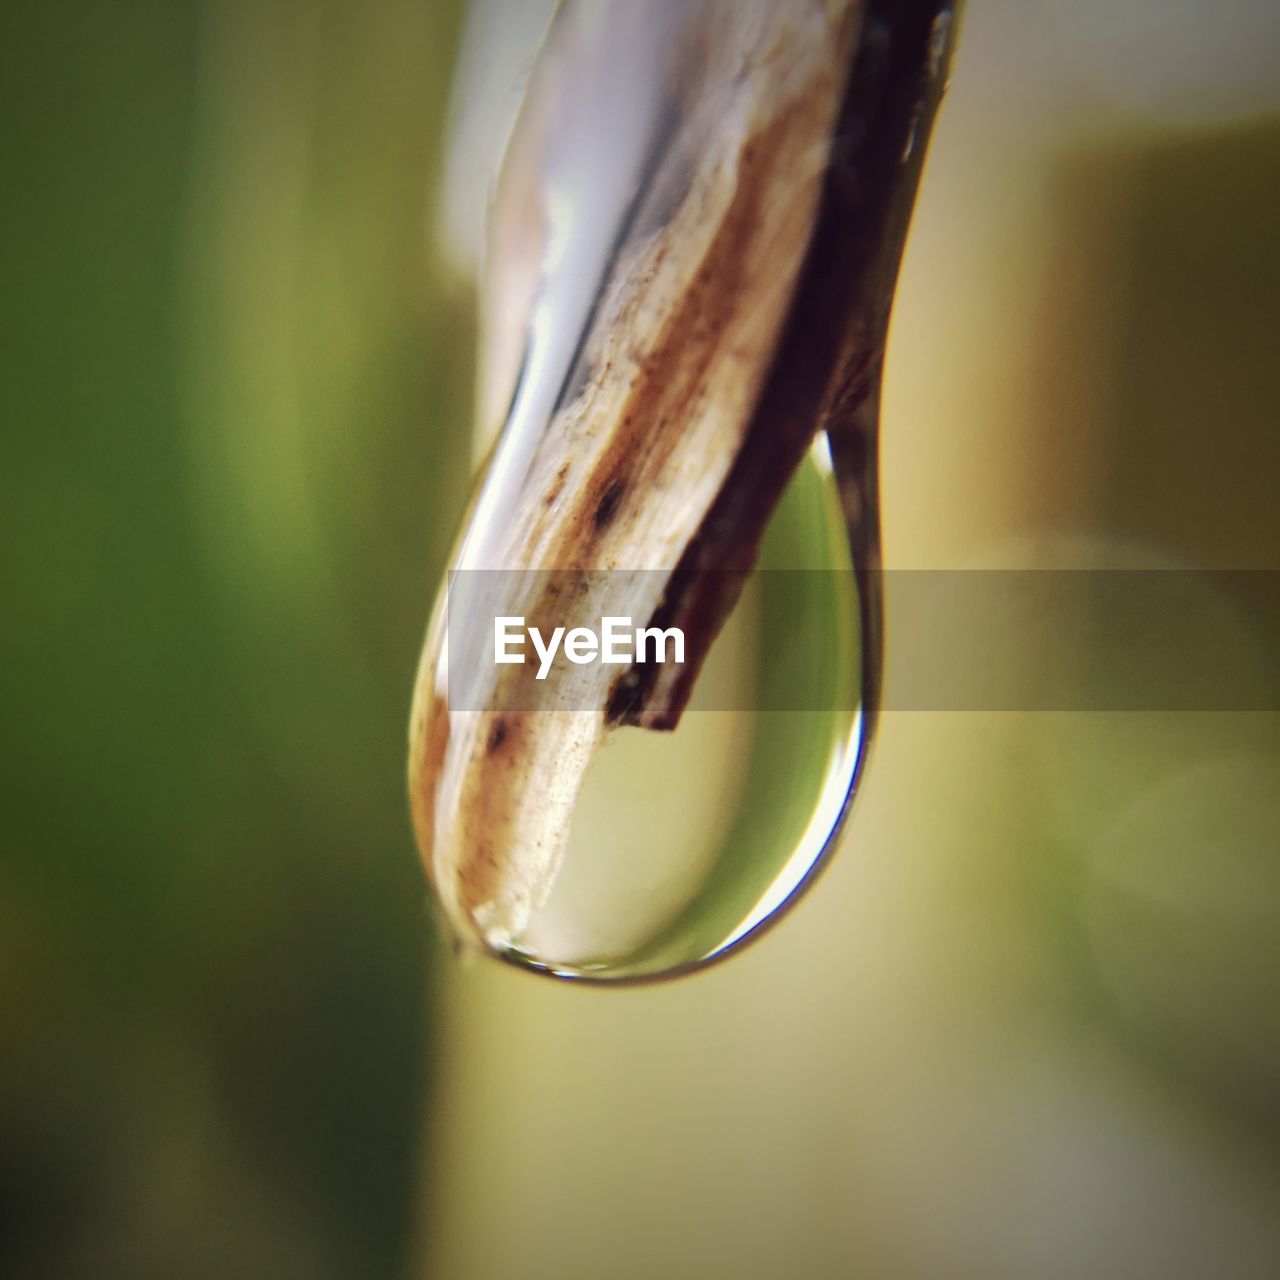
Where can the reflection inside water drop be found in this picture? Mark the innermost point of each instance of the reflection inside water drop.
(685, 844)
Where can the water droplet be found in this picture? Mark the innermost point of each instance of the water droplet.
(685, 845)
(675, 302)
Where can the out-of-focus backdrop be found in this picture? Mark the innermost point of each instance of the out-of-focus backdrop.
(1028, 1023)
(235, 403)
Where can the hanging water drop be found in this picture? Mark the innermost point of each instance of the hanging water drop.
(695, 239)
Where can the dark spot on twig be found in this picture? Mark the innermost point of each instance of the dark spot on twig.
(497, 735)
(557, 486)
(607, 507)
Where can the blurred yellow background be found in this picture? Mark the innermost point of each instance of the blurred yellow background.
(1027, 1025)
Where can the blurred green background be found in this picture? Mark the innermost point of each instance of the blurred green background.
(1027, 1026)
(236, 416)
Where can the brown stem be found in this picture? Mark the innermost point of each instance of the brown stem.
(826, 373)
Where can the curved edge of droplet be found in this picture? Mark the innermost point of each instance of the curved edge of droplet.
(840, 789)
